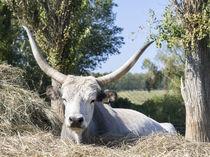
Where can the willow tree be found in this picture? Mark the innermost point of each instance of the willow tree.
(186, 23)
(6, 34)
(75, 35)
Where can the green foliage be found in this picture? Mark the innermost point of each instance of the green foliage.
(172, 60)
(150, 66)
(15, 50)
(155, 76)
(75, 35)
(24, 59)
(129, 82)
(183, 23)
(172, 68)
(90, 40)
(6, 34)
(165, 108)
(126, 103)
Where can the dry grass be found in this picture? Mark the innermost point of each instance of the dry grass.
(12, 76)
(22, 110)
(27, 126)
(45, 144)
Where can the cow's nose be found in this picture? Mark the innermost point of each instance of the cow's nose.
(75, 122)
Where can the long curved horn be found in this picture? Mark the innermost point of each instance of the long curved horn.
(46, 68)
(103, 80)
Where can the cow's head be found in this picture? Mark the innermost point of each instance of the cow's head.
(79, 93)
(80, 114)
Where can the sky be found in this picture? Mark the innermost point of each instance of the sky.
(130, 14)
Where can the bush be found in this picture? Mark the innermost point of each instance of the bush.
(167, 108)
(125, 103)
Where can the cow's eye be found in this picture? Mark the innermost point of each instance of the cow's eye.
(92, 101)
(64, 100)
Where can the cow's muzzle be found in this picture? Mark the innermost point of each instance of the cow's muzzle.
(76, 122)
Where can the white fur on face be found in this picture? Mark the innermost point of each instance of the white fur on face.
(78, 93)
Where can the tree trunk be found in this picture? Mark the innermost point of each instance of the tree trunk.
(57, 104)
(196, 93)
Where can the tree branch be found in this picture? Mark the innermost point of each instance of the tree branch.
(180, 57)
(178, 7)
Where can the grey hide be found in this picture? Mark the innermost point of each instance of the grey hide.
(113, 122)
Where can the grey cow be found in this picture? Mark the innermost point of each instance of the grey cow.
(85, 115)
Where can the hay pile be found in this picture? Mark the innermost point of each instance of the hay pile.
(158, 145)
(12, 76)
(22, 110)
(26, 125)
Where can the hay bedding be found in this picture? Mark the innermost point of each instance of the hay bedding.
(45, 144)
(28, 128)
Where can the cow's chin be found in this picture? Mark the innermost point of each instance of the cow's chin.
(77, 133)
(77, 130)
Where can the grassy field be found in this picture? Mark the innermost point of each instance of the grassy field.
(139, 97)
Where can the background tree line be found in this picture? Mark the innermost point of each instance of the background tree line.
(135, 81)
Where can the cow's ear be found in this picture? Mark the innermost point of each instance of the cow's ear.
(107, 96)
(53, 93)
(100, 96)
(111, 96)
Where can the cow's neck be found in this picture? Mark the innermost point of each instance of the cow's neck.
(95, 127)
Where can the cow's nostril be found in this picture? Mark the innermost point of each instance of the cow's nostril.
(80, 120)
(70, 119)
(76, 120)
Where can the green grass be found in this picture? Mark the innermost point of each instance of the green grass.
(139, 97)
